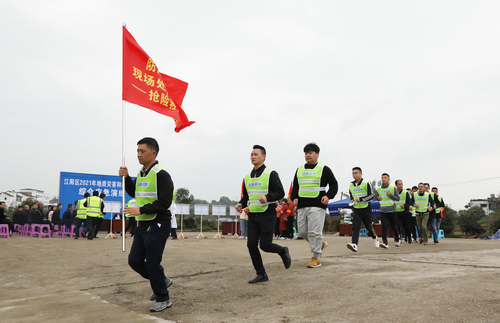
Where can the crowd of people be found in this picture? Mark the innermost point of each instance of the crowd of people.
(401, 210)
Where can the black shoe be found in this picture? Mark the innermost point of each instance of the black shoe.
(15, 230)
(259, 279)
(287, 261)
(96, 237)
(299, 238)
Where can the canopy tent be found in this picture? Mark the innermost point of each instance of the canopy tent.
(335, 207)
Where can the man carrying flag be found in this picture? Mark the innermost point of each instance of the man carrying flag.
(153, 190)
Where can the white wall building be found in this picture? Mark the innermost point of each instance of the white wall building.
(488, 204)
(13, 198)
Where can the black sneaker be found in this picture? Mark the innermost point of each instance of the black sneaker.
(287, 261)
(259, 279)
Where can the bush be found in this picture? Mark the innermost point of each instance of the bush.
(468, 220)
(334, 223)
(449, 220)
(495, 223)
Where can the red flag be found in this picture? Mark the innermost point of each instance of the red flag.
(144, 85)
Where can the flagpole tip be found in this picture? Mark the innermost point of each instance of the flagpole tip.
(124, 24)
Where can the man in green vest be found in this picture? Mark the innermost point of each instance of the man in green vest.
(310, 196)
(95, 207)
(423, 205)
(98, 223)
(81, 216)
(361, 193)
(436, 220)
(388, 195)
(132, 223)
(260, 191)
(403, 210)
(153, 190)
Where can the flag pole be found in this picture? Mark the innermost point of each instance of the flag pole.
(123, 178)
(123, 160)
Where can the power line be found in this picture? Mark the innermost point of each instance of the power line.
(468, 182)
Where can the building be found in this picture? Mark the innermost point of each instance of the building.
(488, 205)
(13, 198)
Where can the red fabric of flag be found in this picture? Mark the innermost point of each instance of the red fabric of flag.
(144, 85)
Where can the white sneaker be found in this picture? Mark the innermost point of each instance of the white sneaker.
(376, 243)
(384, 245)
(399, 243)
(352, 246)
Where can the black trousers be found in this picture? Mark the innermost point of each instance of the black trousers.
(132, 223)
(276, 227)
(91, 221)
(146, 255)
(8, 222)
(289, 226)
(260, 228)
(389, 219)
(404, 218)
(362, 216)
(97, 226)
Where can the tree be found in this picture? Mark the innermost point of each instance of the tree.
(468, 220)
(449, 220)
(29, 201)
(224, 200)
(183, 196)
(495, 224)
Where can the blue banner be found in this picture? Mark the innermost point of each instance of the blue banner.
(72, 186)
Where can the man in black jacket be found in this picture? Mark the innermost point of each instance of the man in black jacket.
(18, 216)
(4, 219)
(260, 191)
(153, 190)
(56, 216)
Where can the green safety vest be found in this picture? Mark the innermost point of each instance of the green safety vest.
(402, 201)
(81, 213)
(257, 187)
(309, 181)
(421, 202)
(146, 192)
(101, 215)
(131, 203)
(386, 200)
(94, 206)
(173, 196)
(438, 209)
(359, 192)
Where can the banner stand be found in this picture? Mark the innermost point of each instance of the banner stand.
(182, 236)
(201, 236)
(110, 234)
(218, 235)
(235, 235)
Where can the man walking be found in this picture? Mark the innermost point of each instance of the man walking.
(423, 205)
(95, 207)
(310, 196)
(260, 189)
(436, 220)
(361, 194)
(403, 210)
(387, 195)
(153, 190)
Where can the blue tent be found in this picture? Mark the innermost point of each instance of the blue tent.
(334, 207)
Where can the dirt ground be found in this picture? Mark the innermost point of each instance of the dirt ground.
(67, 280)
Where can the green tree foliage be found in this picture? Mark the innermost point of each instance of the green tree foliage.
(449, 220)
(29, 201)
(183, 196)
(334, 223)
(495, 223)
(468, 220)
